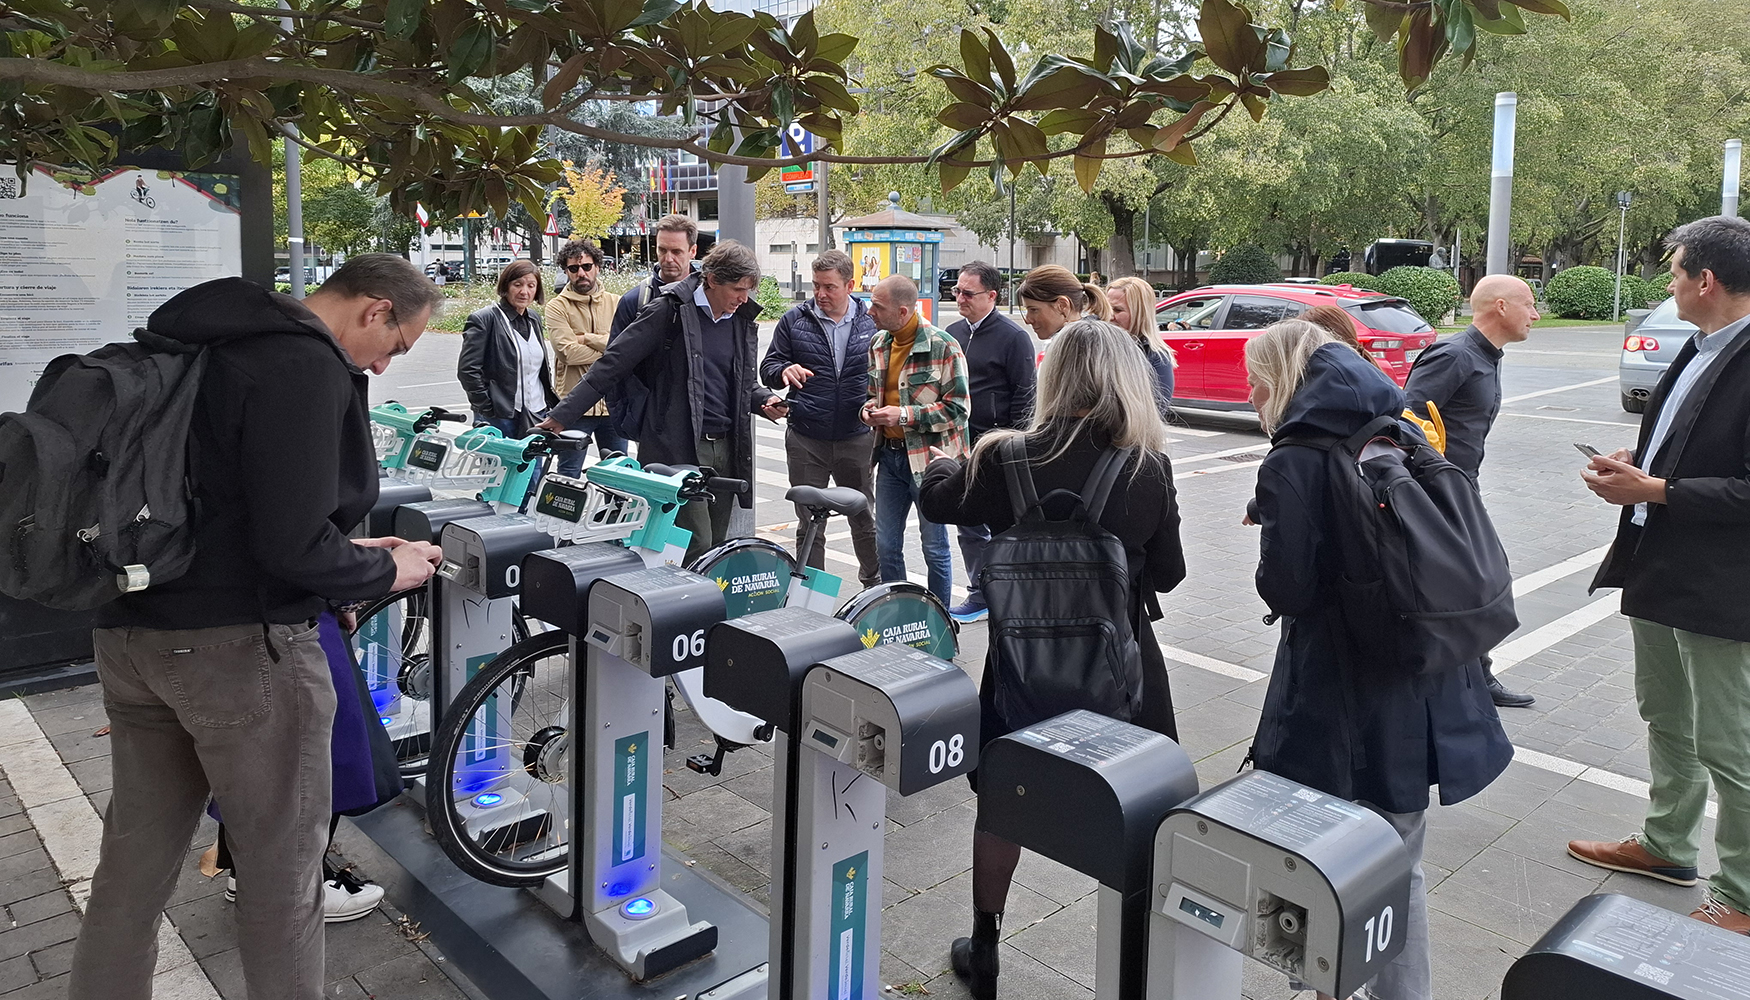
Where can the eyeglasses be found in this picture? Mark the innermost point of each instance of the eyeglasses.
(586, 266)
(962, 293)
(401, 344)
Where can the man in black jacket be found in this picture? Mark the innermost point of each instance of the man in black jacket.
(216, 681)
(1000, 375)
(1682, 559)
(677, 243)
(820, 351)
(684, 372)
(1461, 376)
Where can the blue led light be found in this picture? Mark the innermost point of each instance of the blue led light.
(639, 908)
(620, 889)
(486, 800)
(386, 720)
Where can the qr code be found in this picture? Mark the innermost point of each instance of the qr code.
(9, 187)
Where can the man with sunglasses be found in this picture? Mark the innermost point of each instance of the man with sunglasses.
(216, 681)
(578, 321)
(1000, 378)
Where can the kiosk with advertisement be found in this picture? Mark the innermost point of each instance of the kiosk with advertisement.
(894, 241)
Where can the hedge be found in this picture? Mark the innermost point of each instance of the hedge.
(1246, 264)
(1355, 278)
(1432, 292)
(1583, 292)
(771, 298)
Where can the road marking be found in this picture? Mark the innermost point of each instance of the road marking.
(1212, 664)
(425, 385)
(1569, 354)
(1519, 650)
(1559, 388)
(1550, 574)
(1592, 775)
(71, 833)
(1571, 420)
(1205, 456)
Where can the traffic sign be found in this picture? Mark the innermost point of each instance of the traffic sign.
(798, 179)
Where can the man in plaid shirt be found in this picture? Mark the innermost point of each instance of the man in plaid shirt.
(917, 401)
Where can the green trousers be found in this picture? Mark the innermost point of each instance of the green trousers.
(1694, 693)
(709, 522)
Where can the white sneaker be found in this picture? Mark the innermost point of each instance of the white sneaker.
(230, 888)
(341, 903)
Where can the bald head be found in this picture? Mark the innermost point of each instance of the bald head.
(1503, 308)
(892, 301)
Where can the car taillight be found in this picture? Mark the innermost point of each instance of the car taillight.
(1635, 342)
(1385, 345)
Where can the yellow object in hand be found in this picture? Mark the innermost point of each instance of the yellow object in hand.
(1433, 428)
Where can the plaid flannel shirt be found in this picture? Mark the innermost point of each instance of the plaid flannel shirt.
(936, 368)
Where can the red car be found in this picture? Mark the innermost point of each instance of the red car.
(1207, 328)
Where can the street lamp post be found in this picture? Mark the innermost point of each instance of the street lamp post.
(1622, 200)
(1729, 183)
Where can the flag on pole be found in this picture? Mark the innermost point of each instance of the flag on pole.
(420, 214)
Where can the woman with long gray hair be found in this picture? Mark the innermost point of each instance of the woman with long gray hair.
(1096, 392)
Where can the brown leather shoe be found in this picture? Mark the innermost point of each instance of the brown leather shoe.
(1720, 915)
(1627, 855)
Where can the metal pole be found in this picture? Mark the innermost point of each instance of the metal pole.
(1501, 186)
(1729, 185)
(824, 241)
(1011, 282)
(294, 198)
(1457, 251)
(1621, 234)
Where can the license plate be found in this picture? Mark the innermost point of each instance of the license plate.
(1411, 356)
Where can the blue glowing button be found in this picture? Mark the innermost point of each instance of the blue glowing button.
(487, 800)
(386, 720)
(638, 909)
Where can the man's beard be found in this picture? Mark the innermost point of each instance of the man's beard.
(580, 289)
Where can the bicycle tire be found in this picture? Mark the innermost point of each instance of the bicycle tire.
(906, 613)
(755, 574)
(392, 644)
(520, 838)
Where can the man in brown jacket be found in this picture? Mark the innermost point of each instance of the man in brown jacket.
(578, 319)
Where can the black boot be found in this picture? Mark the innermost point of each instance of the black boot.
(975, 958)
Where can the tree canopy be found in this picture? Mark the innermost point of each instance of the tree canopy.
(401, 90)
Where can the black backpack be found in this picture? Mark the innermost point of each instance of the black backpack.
(94, 490)
(1424, 582)
(1061, 634)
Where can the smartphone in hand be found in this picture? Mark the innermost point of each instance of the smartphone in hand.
(1587, 450)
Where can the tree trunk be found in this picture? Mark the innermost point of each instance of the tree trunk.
(537, 239)
(1121, 250)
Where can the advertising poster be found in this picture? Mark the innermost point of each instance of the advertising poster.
(84, 260)
(871, 261)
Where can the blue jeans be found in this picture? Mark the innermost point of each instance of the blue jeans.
(895, 492)
(602, 430)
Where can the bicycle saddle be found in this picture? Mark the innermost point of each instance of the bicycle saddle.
(838, 499)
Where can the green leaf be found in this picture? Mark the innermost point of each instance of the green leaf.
(1303, 82)
(1277, 50)
(1057, 82)
(1105, 48)
(402, 19)
(1384, 22)
(1182, 154)
(1028, 139)
(469, 51)
(831, 92)
(999, 57)
(1489, 9)
(655, 12)
(1553, 7)
(1511, 22)
(803, 32)
(1172, 135)
(964, 89)
(618, 15)
(1088, 166)
(961, 115)
(556, 87)
(1183, 87)
(1254, 105)
(835, 47)
(976, 57)
(950, 175)
(1228, 36)
(1461, 32)
(1077, 120)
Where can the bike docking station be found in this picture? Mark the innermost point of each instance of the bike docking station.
(848, 722)
(1613, 947)
(1259, 866)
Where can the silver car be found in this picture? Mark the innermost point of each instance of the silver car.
(1647, 350)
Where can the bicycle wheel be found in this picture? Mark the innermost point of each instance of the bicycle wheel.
(498, 786)
(904, 613)
(754, 574)
(392, 643)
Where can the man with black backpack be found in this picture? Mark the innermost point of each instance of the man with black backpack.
(215, 681)
(1461, 377)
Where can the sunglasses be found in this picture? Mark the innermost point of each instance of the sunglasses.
(586, 266)
(962, 293)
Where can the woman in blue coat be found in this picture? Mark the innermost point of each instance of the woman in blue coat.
(1133, 310)
(1335, 717)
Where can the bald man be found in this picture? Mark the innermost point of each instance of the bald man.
(1461, 376)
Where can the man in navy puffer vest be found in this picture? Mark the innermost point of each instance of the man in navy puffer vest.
(820, 352)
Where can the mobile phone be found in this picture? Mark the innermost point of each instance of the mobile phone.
(1587, 450)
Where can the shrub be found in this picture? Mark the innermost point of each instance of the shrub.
(1246, 264)
(1583, 292)
(1431, 292)
(1355, 278)
(1657, 287)
(771, 298)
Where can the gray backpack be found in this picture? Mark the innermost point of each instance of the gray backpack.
(95, 498)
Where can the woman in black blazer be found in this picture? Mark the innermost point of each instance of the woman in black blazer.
(1096, 391)
(503, 366)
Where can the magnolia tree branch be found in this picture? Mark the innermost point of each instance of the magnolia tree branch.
(41, 72)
